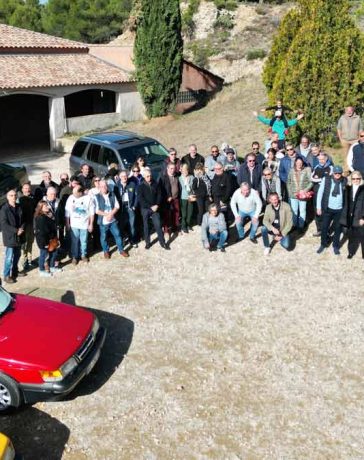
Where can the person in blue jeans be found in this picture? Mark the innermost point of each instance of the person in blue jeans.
(12, 228)
(277, 221)
(45, 230)
(79, 212)
(213, 229)
(246, 204)
(107, 206)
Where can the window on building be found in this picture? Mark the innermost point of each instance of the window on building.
(90, 102)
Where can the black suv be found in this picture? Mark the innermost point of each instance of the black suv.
(99, 150)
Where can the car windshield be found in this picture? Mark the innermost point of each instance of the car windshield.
(153, 152)
(5, 300)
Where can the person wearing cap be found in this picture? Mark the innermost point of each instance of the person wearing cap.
(355, 158)
(278, 125)
(211, 161)
(348, 128)
(330, 202)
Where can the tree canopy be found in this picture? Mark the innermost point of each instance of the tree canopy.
(158, 54)
(317, 63)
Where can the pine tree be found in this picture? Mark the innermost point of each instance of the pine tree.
(322, 69)
(21, 13)
(158, 54)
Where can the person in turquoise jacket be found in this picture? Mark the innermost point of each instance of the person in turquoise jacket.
(279, 125)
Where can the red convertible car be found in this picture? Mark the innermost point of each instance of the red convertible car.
(46, 348)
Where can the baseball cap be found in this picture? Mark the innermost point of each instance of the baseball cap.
(337, 170)
(229, 150)
(278, 113)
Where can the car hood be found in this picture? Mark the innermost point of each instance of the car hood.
(42, 334)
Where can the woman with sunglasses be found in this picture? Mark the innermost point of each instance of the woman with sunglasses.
(353, 214)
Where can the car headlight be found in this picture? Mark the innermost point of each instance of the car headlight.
(95, 327)
(59, 374)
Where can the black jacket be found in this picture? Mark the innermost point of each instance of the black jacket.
(149, 194)
(353, 210)
(192, 162)
(11, 219)
(45, 229)
(41, 190)
(166, 189)
(244, 176)
(28, 205)
(221, 189)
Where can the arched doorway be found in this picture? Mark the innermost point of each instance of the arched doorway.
(24, 121)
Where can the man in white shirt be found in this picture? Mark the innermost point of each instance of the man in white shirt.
(246, 203)
(79, 212)
(107, 206)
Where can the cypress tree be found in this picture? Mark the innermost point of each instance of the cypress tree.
(158, 54)
(322, 69)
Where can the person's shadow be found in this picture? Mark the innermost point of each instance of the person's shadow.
(119, 336)
(35, 434)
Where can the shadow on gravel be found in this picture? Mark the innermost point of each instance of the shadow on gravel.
(35, 434)
(117, 343)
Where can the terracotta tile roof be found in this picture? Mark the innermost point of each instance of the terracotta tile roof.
(16, 38)
(19, 71)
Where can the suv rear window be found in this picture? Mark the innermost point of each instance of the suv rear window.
(79, 148)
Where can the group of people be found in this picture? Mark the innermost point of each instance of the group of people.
(278, 189)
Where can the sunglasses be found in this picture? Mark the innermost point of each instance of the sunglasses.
(361, 135)
(290, 149)
(251, 161)
(97, 180)
(267, 174)
(356, 178)
(214, 151)
(136, 170)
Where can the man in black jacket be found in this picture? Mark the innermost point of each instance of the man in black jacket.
(149, 196)
(27, 205)
(12, 229)
(251, 172)
(192, 158)
(171, 193)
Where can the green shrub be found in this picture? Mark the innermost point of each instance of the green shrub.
(224, 21)
(318, 66)
(256, 53)
(230, 5)
(188, 24)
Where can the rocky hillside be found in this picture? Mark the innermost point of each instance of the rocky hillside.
(232, 44)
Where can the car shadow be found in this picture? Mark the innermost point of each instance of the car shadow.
(119, 336)
(35, 434)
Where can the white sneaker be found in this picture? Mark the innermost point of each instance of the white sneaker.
(267, 251)
(56, 269)
(44, 274)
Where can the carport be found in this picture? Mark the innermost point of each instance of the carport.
(24, 120)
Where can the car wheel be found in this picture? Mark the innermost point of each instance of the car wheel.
(10, 397)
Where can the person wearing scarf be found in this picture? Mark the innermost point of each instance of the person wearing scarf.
(330, 201)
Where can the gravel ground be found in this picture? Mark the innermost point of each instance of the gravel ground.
(210, 355)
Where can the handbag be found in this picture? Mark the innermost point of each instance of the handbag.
(53, 244)
(304, 196)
